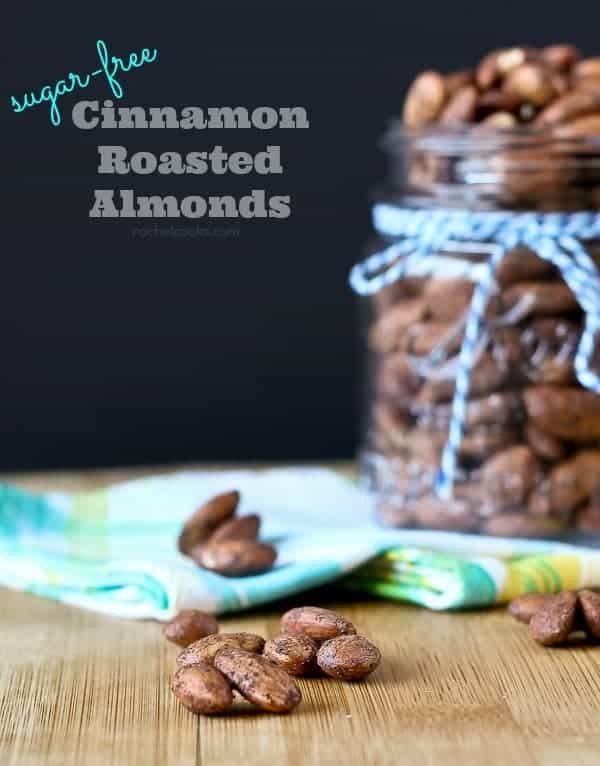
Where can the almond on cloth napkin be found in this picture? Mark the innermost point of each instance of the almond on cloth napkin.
(114, 550)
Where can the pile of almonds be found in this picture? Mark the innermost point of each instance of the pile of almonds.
(218, 540)
(547, 87)
(213, 665)
(520, 131)
(554, 619)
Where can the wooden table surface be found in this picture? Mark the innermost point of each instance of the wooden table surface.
(81, 689)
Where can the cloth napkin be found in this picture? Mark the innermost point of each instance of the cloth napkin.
(114, 550)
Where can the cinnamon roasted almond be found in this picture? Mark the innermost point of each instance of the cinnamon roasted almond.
(497, 64)
(296, 654)
(587, 68)
(544, 445)
(575, 103)
(239, 528)
(425, 99)
(589, 602)
(572, 414)
(560, 57)
(588, 125)
(258, 680)
(234, 557)
(200, 526)
(315, 622)
(530, 82)
(350, 658)
(552, 623)
(205, 649)
(202, 689)
(461, 106)
(524, 607)
(509, 476)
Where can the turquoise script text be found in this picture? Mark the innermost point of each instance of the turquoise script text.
(110, 67)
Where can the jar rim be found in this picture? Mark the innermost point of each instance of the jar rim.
(461, 140)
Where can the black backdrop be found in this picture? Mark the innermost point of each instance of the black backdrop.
(121, 350)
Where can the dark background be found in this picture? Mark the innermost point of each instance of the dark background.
(117, 350)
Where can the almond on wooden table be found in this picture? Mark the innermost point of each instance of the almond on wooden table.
(202, 689)
(206, 648)
(554, 621)
(315, 622)
(524, 607)
(258, 680)
(350, 658)
(296, 654)
(589, 602)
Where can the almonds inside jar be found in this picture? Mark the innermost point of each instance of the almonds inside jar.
(531, 103)
(512, 139)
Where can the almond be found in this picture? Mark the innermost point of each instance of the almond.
(524, 607)
(587, 68)
(190, 625)
(295, 654)
(240, 528)
(203, 522)
(481, 443)
(569, 483)
(500, 121)
(496, 100)
(567, 413)
(554, 620)
(388, 331)
(589, 602)
(496, 64)
(350, 658)
(204, 649)
(202, 689)
(588, 125)
(446, 299)
(544, 445)
(509, 476)
(530, 83)
(425, 100)
(461, 106)
(575, 103)
(316, 623)
(235, 558)
(456, 80)
(258, 680)
(560, 57)
(521, 264)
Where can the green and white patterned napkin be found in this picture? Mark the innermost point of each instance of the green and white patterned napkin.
(114, 550)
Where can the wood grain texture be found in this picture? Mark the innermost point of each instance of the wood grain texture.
(467, 689)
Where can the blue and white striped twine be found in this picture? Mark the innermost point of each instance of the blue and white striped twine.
(555, 237)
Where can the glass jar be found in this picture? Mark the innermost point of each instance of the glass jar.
(482, 301)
